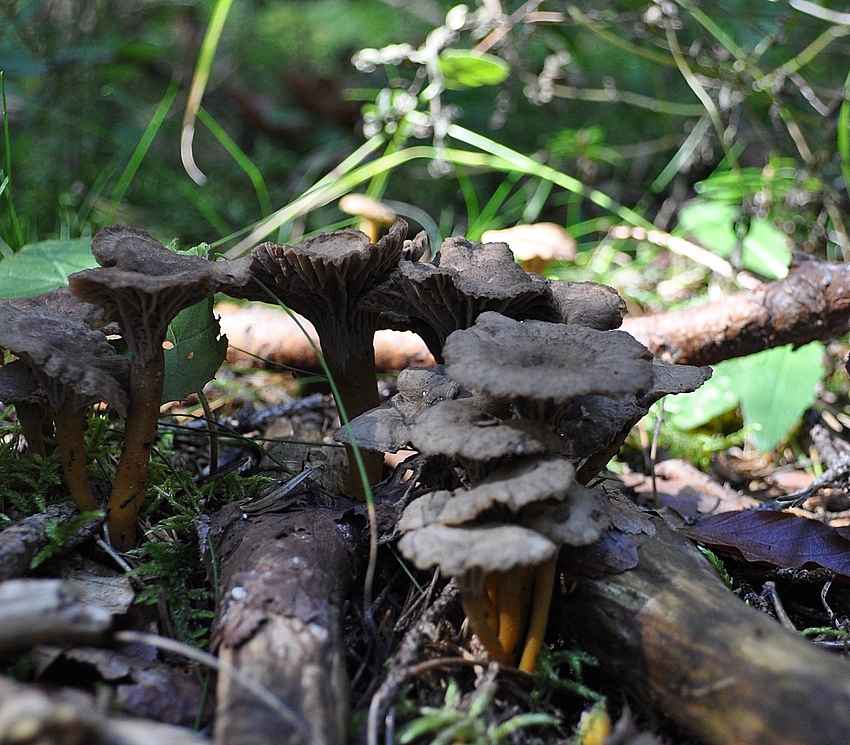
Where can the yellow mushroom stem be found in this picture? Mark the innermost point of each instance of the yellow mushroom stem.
(131, 477)
(31, 417)
(70, 435)
(491, 600)
(544, 580)
(473, 598)
(512, 608)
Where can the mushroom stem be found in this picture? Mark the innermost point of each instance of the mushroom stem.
(31, 418)
(512, 608)
(491, 600)
(356, 382)
(473, 600)
(128, 490)
(544, 580)
(70, 434)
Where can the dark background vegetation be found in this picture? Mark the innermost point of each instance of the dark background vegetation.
(84, 78)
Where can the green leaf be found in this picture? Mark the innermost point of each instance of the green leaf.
(711, 223)
(775, 388)
(44, 266)
(198, 351)
(712, 399)
(463, 68)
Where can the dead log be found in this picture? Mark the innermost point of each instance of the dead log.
(811, 303)
(648, 605)
(283, 578)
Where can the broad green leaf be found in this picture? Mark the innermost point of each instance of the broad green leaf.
(41, 267)
(712, 399)
(463, 68)
(711, 223)
(198, 351)
(775, 387)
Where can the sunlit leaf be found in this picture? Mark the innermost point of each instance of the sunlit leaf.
(463, 68)
(41, 267)
(198, 351)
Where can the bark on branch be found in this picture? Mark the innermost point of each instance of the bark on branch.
(811, 303)
(650, 607)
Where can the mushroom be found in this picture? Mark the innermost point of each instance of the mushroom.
(142, 286)
(324, 279)
(542, 500)
(540, 368)
(536, 246)
(464, 280)
(482, 555)
(588, 304)
(20, 387)
(374, 215)
(386, 429)
(76, 367)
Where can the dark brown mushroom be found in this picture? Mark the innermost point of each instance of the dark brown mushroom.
(464, 280)
(324, 280)
(541, 367)
(20, 388)
(588, 304)
(142, 286)
(76, 367)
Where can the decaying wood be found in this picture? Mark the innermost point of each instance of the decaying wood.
(19, 543)
(648, 605)
(30, 714)
(283, 579)
(811, 303)
(44, 611)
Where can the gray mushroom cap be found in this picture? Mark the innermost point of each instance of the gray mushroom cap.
(142, 285)
(539, 361)
(461, 429)
(68, 358)
(464, 550)
(19, 384)
(577, 520)
(387, 427)
(464, 280)
(512, 487)
(588, 304)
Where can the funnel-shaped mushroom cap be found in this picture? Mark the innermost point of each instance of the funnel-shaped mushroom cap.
(490, 548)
(68, 358)
(143, 286)
(63, 301)
(588, 304)
(464, 280)
(327, 273)
(19, 384)
(511, 487)
(577, 520)
(538, 361)
(387, 428)
(461, 429)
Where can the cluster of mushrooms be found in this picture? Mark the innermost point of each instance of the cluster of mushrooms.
(534, 391)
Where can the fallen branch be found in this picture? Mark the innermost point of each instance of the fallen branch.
(648, 605)
(811, 303)
(283, 579)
